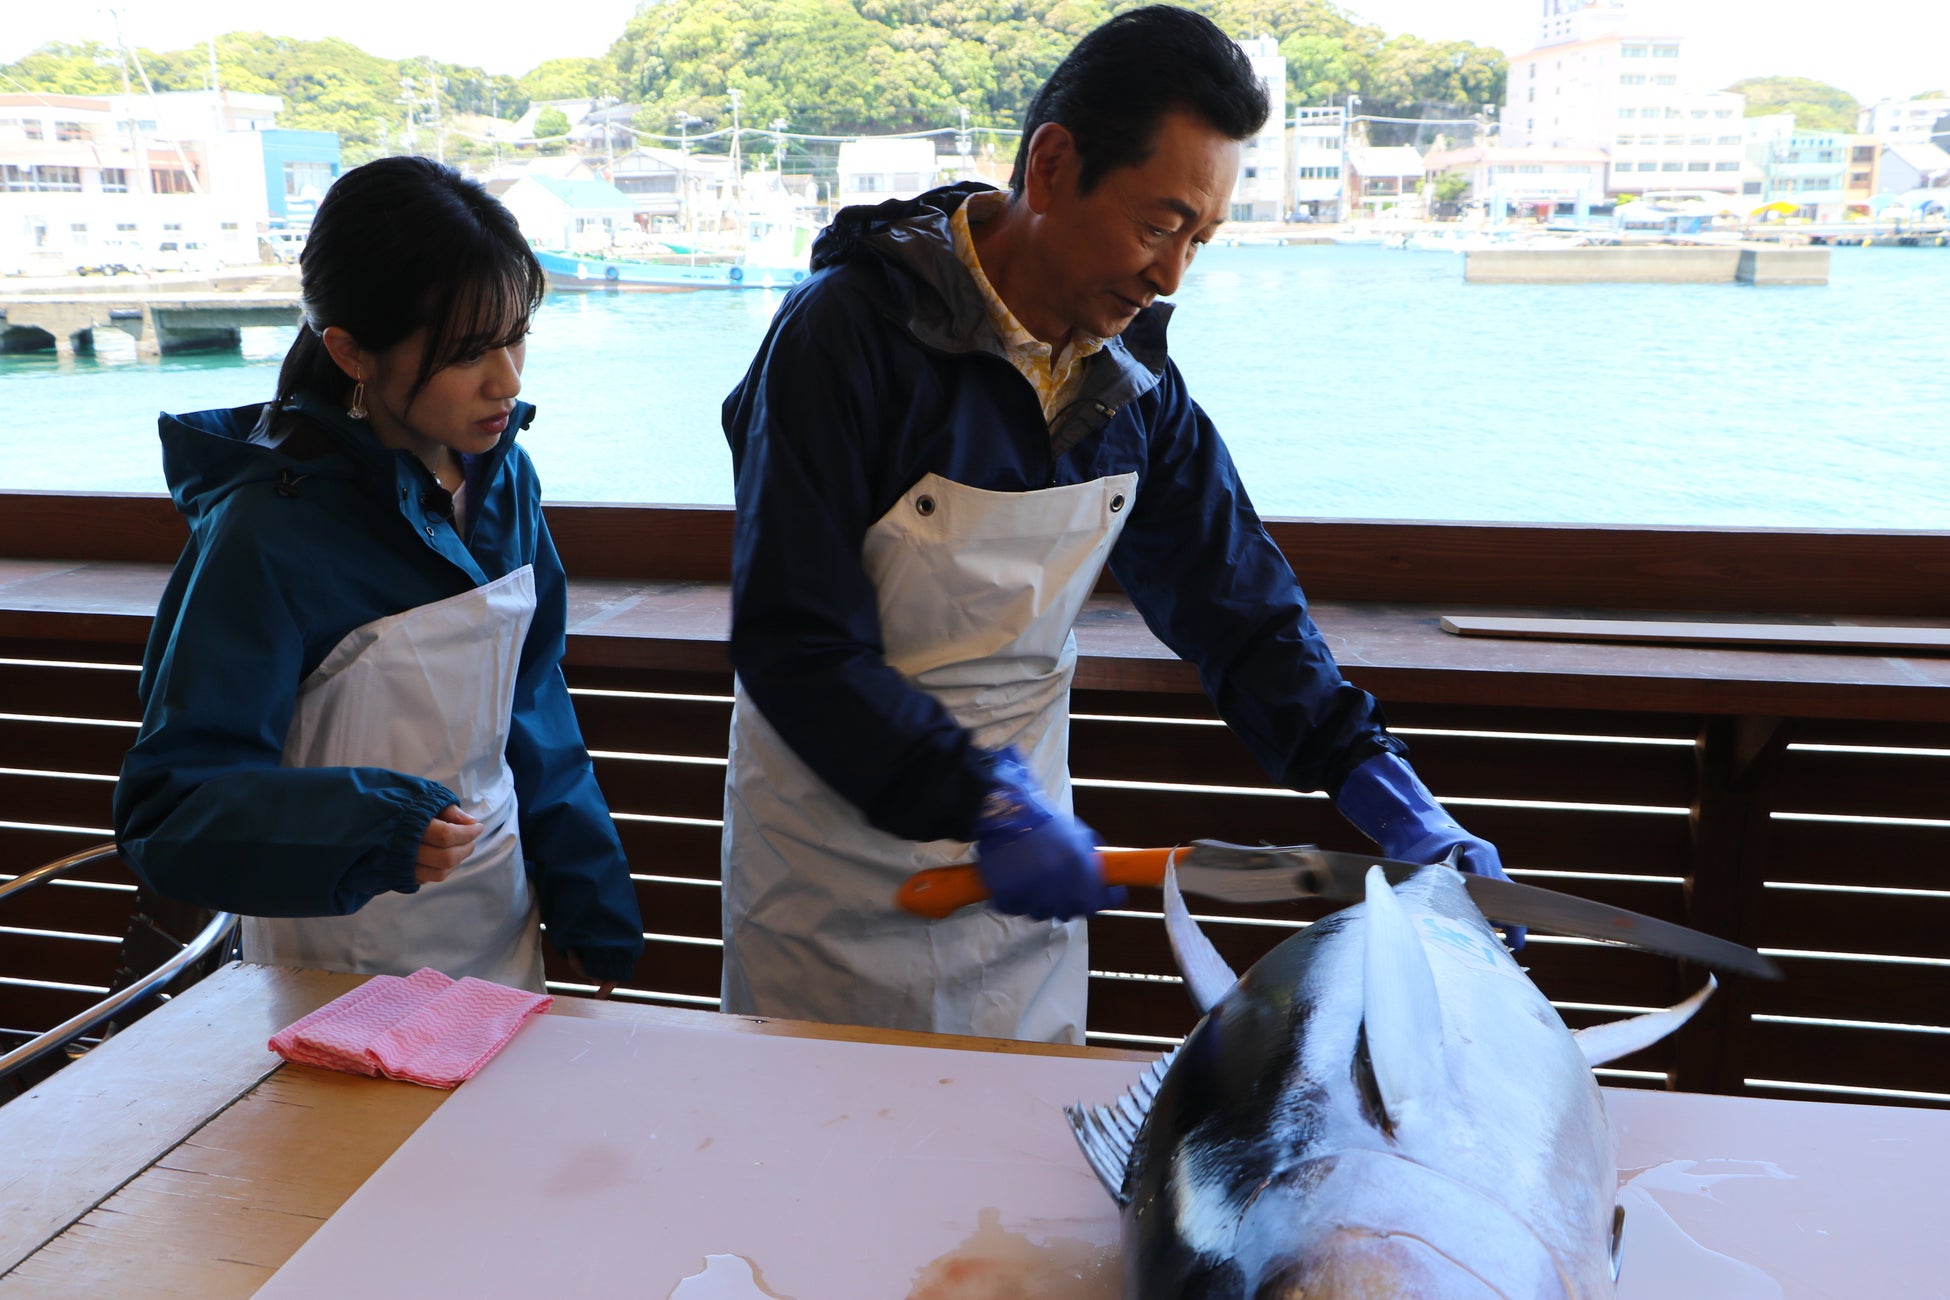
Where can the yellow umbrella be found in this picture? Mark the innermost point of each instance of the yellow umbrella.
(1781, 206)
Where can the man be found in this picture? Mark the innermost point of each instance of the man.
(950, 428)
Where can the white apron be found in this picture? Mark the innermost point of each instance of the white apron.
(428, 692)
(977, 593)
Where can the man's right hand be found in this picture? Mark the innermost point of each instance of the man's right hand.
(1036, 861)
(448, 839)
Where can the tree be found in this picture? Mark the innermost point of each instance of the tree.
(1816, 105)
(551, 125)
(1451, 186)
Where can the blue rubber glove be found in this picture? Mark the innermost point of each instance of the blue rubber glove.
(1036, 861)
(1388, 803)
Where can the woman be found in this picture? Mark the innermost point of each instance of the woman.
(355, 727)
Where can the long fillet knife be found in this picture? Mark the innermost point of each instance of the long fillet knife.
(1240, 873)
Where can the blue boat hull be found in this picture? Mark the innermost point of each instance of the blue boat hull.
(568, 271)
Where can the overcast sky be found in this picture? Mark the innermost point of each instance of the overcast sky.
(1897, 48)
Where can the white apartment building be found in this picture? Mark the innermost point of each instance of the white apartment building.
(878, 168)
(81, 172)
(1904, 121)
(1591, 84)
(1260, 193)
(1319, 158)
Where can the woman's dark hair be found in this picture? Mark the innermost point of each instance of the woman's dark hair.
(1110, 91)
(405, 243)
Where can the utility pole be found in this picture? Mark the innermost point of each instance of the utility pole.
(737, 165)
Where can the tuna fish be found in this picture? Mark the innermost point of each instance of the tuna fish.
(1384, 1105)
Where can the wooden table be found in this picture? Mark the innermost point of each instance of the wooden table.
(182, 1159)
(172, 1161)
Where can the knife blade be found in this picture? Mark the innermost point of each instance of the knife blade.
(1240, 873)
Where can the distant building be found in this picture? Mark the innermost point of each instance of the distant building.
(1319, 158)
(1379, 178)
(1916, 166)
(674, 190)
(1826, 173)
(876, 169)
(1589, 85)
(1528, 181)
(1907, 121)
(193, 167)
(573, 215)
(1260, 194)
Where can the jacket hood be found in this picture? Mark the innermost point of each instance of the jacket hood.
(207, 455)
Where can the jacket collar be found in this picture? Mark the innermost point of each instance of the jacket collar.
(939, 305)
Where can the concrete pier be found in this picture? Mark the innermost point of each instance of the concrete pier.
(159, 320)
(1648, 264)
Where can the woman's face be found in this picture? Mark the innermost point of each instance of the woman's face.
(464, 406)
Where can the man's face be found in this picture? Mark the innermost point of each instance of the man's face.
(1107, 254)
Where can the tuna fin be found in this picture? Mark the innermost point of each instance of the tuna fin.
(1401, 1015)
(1207, 977)
(1107, 1134)
(1602, 1043)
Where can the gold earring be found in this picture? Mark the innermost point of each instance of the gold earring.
(357, 411)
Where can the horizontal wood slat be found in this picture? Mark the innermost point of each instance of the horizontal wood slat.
(74, 908)
(32, 1010)
(666, 789)
(80, 692)
(671, 849)
(1845, 731)
(56, 801)
(1856, 853)
(1863, 1058)
(22, 850)
(1828, 988)
(59, 960)
(696, 727)
(1826, 921)
(1861, 784)
(679, 909)
(592, 677)
(64, 746)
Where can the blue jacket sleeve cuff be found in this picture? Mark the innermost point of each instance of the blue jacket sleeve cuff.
(393, 869)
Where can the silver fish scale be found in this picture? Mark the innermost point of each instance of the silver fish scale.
(1108, 1133)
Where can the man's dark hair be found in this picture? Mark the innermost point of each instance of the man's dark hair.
(1123, 77)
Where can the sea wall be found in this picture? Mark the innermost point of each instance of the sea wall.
(1657, 264)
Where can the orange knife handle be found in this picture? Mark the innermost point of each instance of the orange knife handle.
(941, 891)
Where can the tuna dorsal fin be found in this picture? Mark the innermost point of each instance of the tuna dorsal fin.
(1107, 1133)
(1400, 1012)
(1602, 1043)
(1207, 977)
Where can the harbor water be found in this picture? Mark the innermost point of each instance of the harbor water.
(1350, 382)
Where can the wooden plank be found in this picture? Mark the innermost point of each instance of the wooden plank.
(664, 788)
(158, 1091)
(22, 849)
(1864, 638)
(57, 801)
(671, 849)
(80, 691)
(1859, 853)
(76, 908)
(1837, 989)
(1861, 784)
(64, 746)
(664, 681)
(35, 1010)
(139, 526)
(1846, 731)
(696, 727)
(1913, 925)
(59, 960)
(1863, 1058)
(49, 648)
(687, 909)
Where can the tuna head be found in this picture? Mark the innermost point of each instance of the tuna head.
(1383, 1106)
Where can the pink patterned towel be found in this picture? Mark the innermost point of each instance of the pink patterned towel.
(424, 1028)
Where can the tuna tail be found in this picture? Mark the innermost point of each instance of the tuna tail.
(1602, 1043)
(1108, 1134)
(1401, 1016)
(1207, 977)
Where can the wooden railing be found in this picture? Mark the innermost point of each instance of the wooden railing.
(1793, 801)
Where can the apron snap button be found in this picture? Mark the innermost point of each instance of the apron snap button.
(924, 504)
(1117, 503)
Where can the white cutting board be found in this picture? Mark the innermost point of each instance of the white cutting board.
(599, 1158)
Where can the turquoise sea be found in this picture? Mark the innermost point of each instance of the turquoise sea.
(1350, 382)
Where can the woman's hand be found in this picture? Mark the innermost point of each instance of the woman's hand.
(448, 839)
(603, 990)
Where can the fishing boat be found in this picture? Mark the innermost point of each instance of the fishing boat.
(617, 273)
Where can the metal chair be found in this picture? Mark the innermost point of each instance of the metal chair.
(148, 942)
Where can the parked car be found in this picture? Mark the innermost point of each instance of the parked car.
(281, 246)
(184, 255)
(110, 257)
